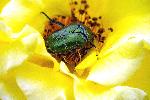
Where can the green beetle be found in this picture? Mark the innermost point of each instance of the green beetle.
(69, 38)
(66, 41)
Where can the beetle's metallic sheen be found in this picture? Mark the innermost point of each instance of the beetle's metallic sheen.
(69, 38)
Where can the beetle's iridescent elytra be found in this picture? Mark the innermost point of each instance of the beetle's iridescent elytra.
(69, 38)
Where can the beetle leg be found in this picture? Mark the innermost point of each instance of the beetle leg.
(78, 51)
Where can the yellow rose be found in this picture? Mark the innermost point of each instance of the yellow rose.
(120, 72)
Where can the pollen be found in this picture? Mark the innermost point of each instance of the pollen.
(79, 14)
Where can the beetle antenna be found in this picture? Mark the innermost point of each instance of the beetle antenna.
(53, 21)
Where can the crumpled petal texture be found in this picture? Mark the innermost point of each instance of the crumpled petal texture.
(16, 50)
(3, 3)
(125, 56)
(27, 71)
(28, 12)
(30, 81)
(85, 90)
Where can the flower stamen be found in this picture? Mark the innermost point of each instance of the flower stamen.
(79, 14)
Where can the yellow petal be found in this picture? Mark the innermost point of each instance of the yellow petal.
(25, 45)
(124, 93)
(122, 60)
(40, 55)
(86, 90)
(116, 10)
(3, 3)
(9, 89)
(125, 55)
(89, 60)
(5, 32)
(35, 82)
(15, 51)
(28, 12)
(64, 68)
(113, 12)
(24, 57)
